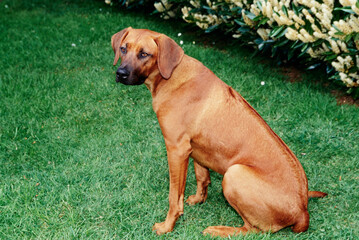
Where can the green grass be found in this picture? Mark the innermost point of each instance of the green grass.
(82, 157)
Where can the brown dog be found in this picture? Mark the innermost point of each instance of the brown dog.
(203, 118)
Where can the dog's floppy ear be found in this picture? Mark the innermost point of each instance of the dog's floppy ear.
(116, 41)
(169, 55)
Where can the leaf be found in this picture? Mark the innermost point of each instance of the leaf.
(318, 43)
(236, 9)
(345, 9)
(350, 91)
(352, 51)
(290, 54)
(207, 8)
(257, 18)
(295, 9)
(282, 33)
(240, 23)
(338, 30)
(300, 55)
(261, 46)
(353, 70)
(348, 37)
(297, 44)
(281, 43)
(305, 47)
(276, 31)
(329, 69)
(274, 52)
(244, 29)
(258, 41)
(339, 33)
(331, 57)
(276, 13)
(263, 21)
(355, 93)
(285, 10)
(314, 66)
(250, 15)
(211, 28)
(308, 27)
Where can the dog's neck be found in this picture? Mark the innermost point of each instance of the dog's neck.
(153, 82)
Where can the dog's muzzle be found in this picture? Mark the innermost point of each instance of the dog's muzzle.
(127, 77)
(122, 75)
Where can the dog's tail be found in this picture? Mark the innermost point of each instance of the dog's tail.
(316, 194)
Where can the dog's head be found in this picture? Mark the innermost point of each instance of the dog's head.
(142, 52)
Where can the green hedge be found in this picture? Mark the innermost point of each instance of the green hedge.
(316, 33)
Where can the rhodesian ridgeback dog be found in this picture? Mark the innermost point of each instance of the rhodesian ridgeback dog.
(203, 118)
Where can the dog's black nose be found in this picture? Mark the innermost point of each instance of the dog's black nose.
(122, 74)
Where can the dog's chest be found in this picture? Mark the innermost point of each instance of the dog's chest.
(208, 158)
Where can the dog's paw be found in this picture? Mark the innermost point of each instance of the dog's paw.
(194, 199)
(161, 228)
(219, 231)
(225, 232)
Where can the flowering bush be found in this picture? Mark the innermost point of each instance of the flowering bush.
(316, 32)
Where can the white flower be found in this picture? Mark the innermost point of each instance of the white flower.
(73, 45)
(108, 1)
(159, 7)
(181, 42)
(179, 34)
(292, 34)
(162, 6)
(171, 14)
(334, 46)
(185, 12)
(263, 83)
(263, 33)
(196, 4)
(246, 19)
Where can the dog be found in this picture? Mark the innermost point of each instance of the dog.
(203, 118)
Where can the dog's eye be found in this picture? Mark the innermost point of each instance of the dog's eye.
(143, 55)
(123, 50)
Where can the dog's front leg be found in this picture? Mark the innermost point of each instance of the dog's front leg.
(178, 164)
(203, 180)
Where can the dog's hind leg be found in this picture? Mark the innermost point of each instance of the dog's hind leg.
(262, 205)
(203, 180)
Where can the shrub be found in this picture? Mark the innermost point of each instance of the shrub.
(315, 32)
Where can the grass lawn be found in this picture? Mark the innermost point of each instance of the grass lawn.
(82, 157)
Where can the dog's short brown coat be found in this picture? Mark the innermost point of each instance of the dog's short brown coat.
(203, 118)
